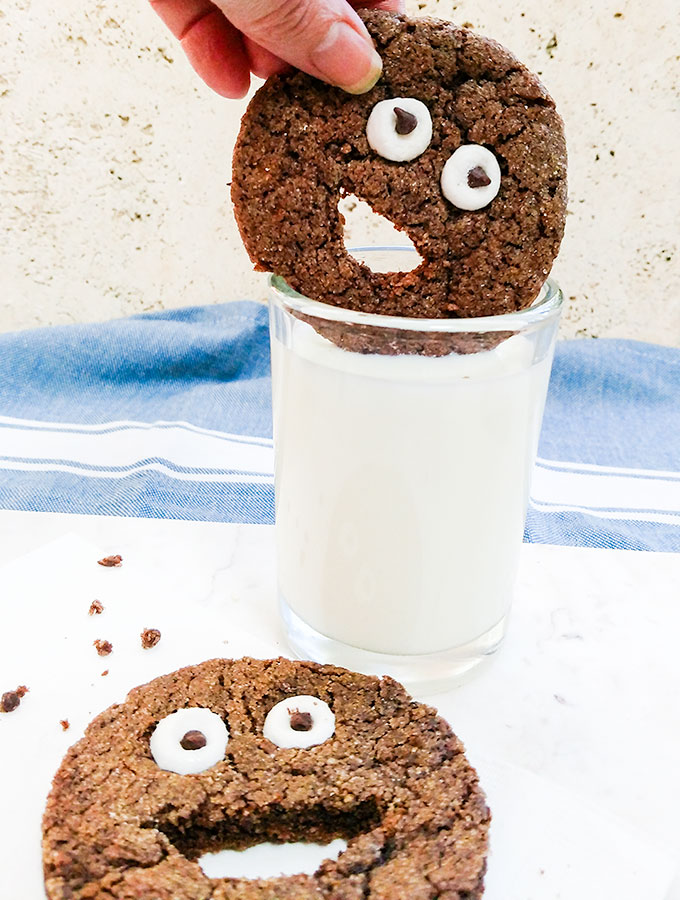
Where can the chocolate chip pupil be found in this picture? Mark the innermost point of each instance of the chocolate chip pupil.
(477, 178)
(300, 721)
(193, 740)
(406, 121)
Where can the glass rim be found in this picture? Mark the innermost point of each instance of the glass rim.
(545, 307)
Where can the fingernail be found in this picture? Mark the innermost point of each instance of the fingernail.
(346, 59)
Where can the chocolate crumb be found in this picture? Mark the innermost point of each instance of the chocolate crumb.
(96, 608)
(193, 740)
(65, 724)
(406, 121)
(300, 721)
(111, 561)
(477, 178)
(22, 690)
(9, 701)
(105, 672)
(103, 647)
(150, 637)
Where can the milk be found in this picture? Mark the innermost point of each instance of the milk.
(401, 489)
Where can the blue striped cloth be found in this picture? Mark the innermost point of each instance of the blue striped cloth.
(168, 415)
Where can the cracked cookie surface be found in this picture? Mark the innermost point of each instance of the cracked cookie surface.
(392, 780)
(303, 146)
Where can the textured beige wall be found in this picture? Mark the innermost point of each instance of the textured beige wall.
(114, 161)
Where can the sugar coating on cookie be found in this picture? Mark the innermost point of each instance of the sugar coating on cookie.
(392, 781)
(301, 721)
(304, 145)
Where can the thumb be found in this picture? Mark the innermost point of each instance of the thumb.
(324, 38)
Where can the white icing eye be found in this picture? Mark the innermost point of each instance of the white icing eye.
(301, 722)
(399, 129)
(189, 741)
(471, 177)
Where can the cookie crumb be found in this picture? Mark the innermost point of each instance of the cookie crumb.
(65, 724)
(150, 637)
(111, 561)
(22, 690)
(103, 647)
(105, 672)
(96, 608)
(9, 701)
(551, 46)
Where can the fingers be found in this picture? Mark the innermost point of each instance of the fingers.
(263, 63)
(325, 38)
(213, 45)
(180, 15)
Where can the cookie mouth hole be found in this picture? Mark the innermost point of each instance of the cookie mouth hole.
(366, 228)
(270, 860)
(323, 831)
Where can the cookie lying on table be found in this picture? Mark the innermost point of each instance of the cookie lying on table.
(230, 753)
(458, 144)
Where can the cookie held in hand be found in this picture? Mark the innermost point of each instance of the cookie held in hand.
(231, 753)
(458, 145)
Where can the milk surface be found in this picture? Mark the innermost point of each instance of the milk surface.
(401, 489)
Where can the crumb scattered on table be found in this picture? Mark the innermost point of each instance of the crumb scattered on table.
(103, 647)
(11, 699)
(150, 637)
(111, 561)
(9, 702)
(65, 724)
(105, 672)
(96, 608)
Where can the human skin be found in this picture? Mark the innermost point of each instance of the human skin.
(228, 40)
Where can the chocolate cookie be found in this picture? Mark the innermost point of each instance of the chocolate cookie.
(232, 753)
(458, 144)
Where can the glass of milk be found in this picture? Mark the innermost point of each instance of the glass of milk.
(403, 457)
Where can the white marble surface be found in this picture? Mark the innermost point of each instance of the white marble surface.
(583, 694)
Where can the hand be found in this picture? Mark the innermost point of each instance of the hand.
(226, 40)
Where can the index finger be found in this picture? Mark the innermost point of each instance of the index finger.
(213, 46)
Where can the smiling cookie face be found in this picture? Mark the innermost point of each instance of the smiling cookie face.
(233, 753)
(458, 145)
